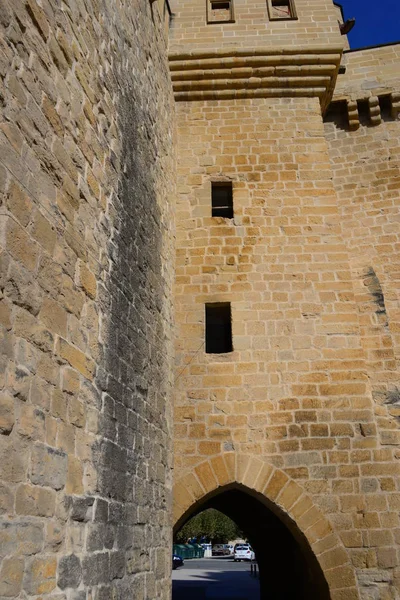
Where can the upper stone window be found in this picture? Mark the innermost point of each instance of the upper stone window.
(281, 9)
(220, 11)
(222, 199)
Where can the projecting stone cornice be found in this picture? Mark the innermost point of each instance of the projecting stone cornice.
(255, 73)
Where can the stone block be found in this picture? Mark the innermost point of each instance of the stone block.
(40, 576)
(69, 572)
(86, 280)
(31, 422)
(36, 501)
(6, 499)
(21, 246)
(13, 460)
(387, 557)
(75, 358)
(7, 417)
(27, 327)
(95, 569)
(19, 203)
(76, 412)
(21, 537)
(38, 17)
(275, 484)
(44, 232)
(82, 508)
(11, 573)
(74, 483)
(53, 316)
(48, 467)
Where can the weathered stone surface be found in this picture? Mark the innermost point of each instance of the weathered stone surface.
(21, 537)
(95, 569)
(86, 280)
(7, 418)
(40, 576)
(69, 572)
(11, 573)
(37, 501)
(48, 466)
(82, 508)
(13, 460)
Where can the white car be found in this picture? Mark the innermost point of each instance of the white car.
(243, 552)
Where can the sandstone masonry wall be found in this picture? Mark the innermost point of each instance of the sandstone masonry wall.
(295, 391)
(365, 165)
(317, 25)
(86, 175)
(373, 70)
(307, 402)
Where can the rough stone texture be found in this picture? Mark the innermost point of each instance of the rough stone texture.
(367, 186)
(87, 223)
(69, 572)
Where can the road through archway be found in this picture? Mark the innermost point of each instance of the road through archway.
(287, 566)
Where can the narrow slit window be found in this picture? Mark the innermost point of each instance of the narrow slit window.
(218, 328)
(220, 11)
(222, 199)
(281, 9)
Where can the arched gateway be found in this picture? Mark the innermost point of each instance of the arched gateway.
(298, 553)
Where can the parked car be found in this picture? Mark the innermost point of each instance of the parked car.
(243, 552)
(177, 561)
(220, 550)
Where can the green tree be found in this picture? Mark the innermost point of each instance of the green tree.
(210, 524)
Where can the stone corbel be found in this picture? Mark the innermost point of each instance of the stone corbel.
(374, 110)
(352, 113)
(395, 101)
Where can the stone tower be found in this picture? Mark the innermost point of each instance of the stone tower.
(278, 161)
(286, 297)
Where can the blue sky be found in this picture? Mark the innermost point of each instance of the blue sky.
(377, 21)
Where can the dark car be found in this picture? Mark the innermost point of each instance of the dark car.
(177, 561)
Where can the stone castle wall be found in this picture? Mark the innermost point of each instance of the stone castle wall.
(369, 71)
(365, 164)
(86, 175)
(295, 390)
(304, 411)
(316, 25)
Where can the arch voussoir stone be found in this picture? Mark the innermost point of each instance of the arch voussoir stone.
(279, 491)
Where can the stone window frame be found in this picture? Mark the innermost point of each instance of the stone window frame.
(292, 7)
(208, 9)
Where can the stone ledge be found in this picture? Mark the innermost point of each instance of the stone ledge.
(255, 73)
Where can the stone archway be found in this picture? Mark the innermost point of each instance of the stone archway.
(289, 508)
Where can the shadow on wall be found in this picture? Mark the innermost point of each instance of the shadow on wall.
(218, 585)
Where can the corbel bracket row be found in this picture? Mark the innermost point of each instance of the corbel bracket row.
(374, 110)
